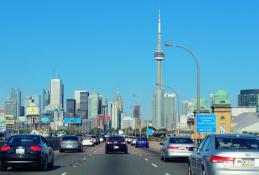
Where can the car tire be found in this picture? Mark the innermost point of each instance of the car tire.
(44, 165)
(189, 169)
(3, 168)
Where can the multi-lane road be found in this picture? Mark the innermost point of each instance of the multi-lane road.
(94, 161)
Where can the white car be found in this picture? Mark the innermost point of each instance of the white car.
(88, 141)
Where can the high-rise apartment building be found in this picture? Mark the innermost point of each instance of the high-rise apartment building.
(56, 93)
(249, 97)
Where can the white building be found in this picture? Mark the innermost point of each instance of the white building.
(117, 110)
(56, 93)
(77, 97)
(170, 113)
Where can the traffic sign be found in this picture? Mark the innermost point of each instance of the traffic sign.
(206, 123)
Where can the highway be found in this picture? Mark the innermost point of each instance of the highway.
(94, 161)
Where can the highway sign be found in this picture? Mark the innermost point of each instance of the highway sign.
(206, 123)
(70, 120)
(149, 131)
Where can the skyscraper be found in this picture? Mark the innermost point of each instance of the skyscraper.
(10, 109)
(158, 114)
(83, 108)
(170, 111)
(93, 104)
(16, 97)
(56, 93)
(71, 106)
(32, 105)
(45, 99)
(136, 111)
(117, 110)
(77, 97)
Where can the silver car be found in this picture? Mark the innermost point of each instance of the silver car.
(71, 142)
(230, 154)
(175, 147)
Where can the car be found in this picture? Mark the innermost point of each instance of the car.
(116, 144)
(26, 150)
(96, 139)
(142, 142)
(134, 140)
(87, 141)
(225, 154)
(129, 139)
(176, 147)
(70, 142)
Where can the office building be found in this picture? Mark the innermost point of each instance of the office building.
(93, 104)
(136, 111)
(83, 105)
(117, 110)
(249, 97)
(170, 113)
(32, 105)
(45, 99)
(71, 106)
(10, 109)
(56, 94)
(16, 97)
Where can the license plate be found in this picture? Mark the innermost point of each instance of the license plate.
(20, 151)
(69, 146)
(116, 147)
(245, 162)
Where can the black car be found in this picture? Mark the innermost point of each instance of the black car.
(116, 144)
(26, 150)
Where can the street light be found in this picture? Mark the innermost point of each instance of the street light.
(177, 97)
(198, 70)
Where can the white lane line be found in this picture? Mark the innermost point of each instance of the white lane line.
(154, 165)
(167, 174)
(146, 159)
(64, 173)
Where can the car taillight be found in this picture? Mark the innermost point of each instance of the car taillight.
(220, 159)
(173, 147)
(109, 143)
(5, 148)
(35, 148)
(123, 143)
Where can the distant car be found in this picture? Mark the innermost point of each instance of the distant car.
(88, 141)
(26, 150)
(226, 154)
(70, 142)
(96, 139)
(142, 142)
(133, 142)
(175, 147)
(116, 144)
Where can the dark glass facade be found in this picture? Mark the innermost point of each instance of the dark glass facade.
(249, 97)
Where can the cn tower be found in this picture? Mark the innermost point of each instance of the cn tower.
(158, 96)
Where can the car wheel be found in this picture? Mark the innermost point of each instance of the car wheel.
(3, 168)
(189, 169)
(203, 172)
(44, 165)
(51, 164)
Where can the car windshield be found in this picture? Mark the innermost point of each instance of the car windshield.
(24, 140)
(237, 143)
(181, 140)
(70, 138)
(118, 139)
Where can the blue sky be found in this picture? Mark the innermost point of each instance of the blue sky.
(110, 44)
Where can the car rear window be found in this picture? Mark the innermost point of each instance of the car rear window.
(181, 140)
(142, 139)
(118, 139)
(24, 140)
(237, 143)
(70, 138)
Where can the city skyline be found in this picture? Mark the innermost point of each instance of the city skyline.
(83, 52)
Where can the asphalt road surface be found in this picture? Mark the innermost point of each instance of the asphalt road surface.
(93, 161)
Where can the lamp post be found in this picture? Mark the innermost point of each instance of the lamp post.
(198, 70)
(177, 97)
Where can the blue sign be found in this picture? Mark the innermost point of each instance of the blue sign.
(206, 123)
(149, 131)
(69, 120)
(45, 119)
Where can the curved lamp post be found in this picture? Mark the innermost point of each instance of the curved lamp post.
(198, 70)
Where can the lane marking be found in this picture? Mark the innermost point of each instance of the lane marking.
(64, 173)
(146, 159)
(154, 165)
(167, 174)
